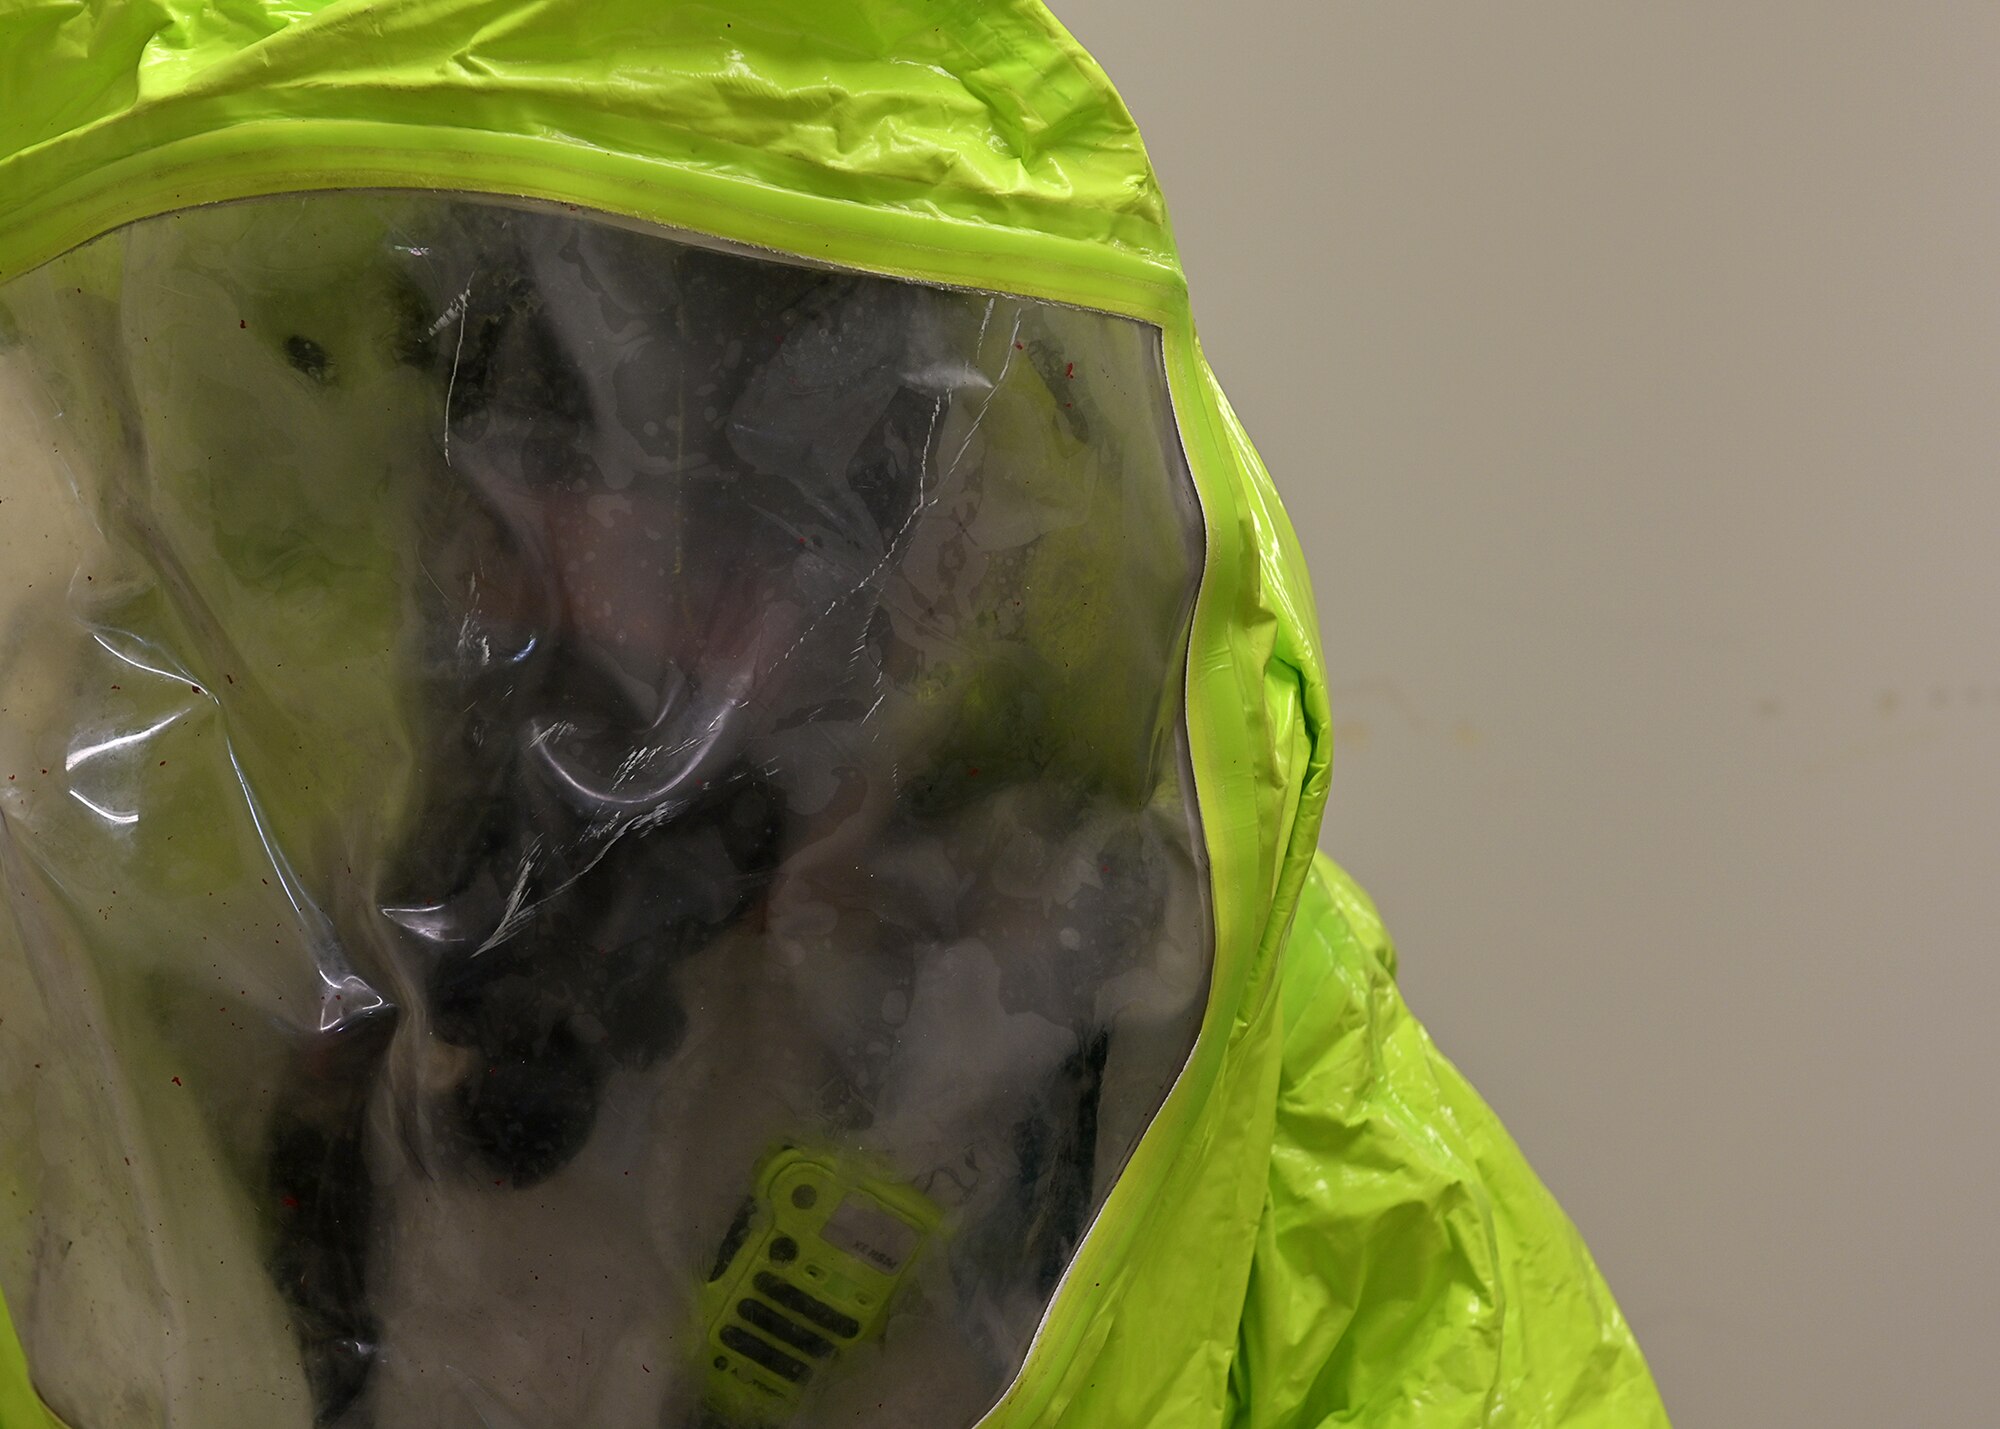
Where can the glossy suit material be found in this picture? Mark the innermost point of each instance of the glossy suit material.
(1307, 1218)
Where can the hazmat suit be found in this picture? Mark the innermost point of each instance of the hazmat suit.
(662, 752)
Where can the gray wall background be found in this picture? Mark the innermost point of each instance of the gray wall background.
(1631, 374)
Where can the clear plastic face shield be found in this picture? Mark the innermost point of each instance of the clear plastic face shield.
(595, 831)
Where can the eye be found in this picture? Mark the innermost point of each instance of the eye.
(414, 340)
(308, 357)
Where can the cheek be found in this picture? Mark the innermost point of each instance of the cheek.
(637, 575)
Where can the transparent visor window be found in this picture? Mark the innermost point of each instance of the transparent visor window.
(597, 830)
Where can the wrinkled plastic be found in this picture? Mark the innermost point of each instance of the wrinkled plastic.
(574, 714)
(1321, 1224)
(958, 122)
